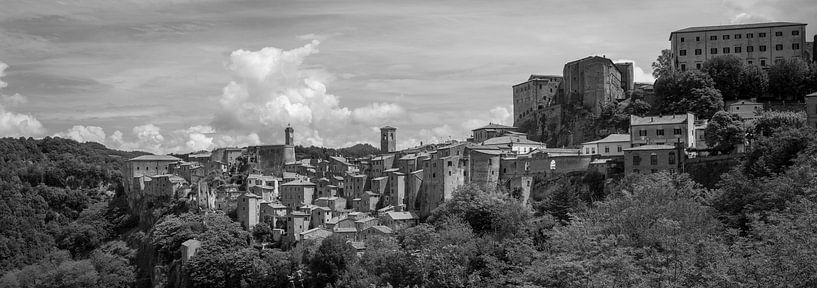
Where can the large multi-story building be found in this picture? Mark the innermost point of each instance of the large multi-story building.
(271, 159)
(759, 44)
(536, 93)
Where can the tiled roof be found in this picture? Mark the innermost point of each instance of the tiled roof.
(495, 126)
(155, 158)
(345, 230)
(509, 140)
(738, 26)
(402, 215)
(650, 147)
(298, 183)
(381, 228)
(388, 128)
(612, 138)
(658, 120)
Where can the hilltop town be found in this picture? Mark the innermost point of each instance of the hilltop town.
(704, 178)
(556, 132)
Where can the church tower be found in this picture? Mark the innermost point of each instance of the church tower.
(387, 139)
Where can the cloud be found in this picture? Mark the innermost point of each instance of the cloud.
(377, 113)
(14, 124)
(498, 115)
(81, 133)
(270, 90)
(639, 75)
(743, 18)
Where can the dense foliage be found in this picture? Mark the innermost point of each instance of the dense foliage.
(60, 206)
(691, 91)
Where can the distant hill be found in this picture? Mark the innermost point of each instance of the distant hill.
(313, 152)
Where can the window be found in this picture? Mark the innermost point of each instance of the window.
(750, 48)
(761, 35)
(677, 131)
(671, 160)
(738, 36)
(698, 66)
(762, 48)
(763, 62)
(713, 37)
(586, 150)
(682, 39)
(725, 50)
(697, 38)
(618, 149)
(713, 51)
(636, 160)
(659, 132)
(778, 47)
(606, 149)
(725, 37)
(642, 132)
(683, 67)
(683, 52)
(653, 159)
(698, 52)
(795, 46)
(449, 164)
(795, 32)
(778, 33)
(750, 35)
(738, 49)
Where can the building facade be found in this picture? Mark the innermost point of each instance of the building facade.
(536, 93)
(592, 82)
(653, 158)
(760, 44)
(662, 130)
(811, 109)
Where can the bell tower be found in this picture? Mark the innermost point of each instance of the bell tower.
(290, 136)
(387, 139)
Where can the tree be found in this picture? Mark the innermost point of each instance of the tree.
(726, 71)
(754, 82)
(663, 65)
(262, 232)
(770, 121)
(331, 259)
(787, 79)
(691, 91)
(724, 132)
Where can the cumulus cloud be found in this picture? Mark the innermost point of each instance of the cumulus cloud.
(81, 133)
(639, 75)
(270, 90)
(498, 115)
(14, 124)
(743, 18)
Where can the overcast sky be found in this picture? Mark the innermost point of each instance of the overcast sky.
(179, 76)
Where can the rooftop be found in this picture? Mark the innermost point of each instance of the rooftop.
(298, 183)
(738, 26)
(388, 128)
(612, 138)
(404, 215)
(494, 126)
(509, 140)
(653, 120)
(650, 147)
(155, 158)
(381, 228)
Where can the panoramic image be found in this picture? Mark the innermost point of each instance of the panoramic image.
(408, 144)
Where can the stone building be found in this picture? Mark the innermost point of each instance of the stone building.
(490, 131)
(297, 193)
(612, 145)
(146, 165)
(653, 158)
(271, 159)
(535, 94)
(663, 130)
(483, 167)
(811, 109)
(388, 143)
(592, 82)
(249, 210)
(759, 44)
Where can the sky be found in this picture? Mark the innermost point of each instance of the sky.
(177, 76)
